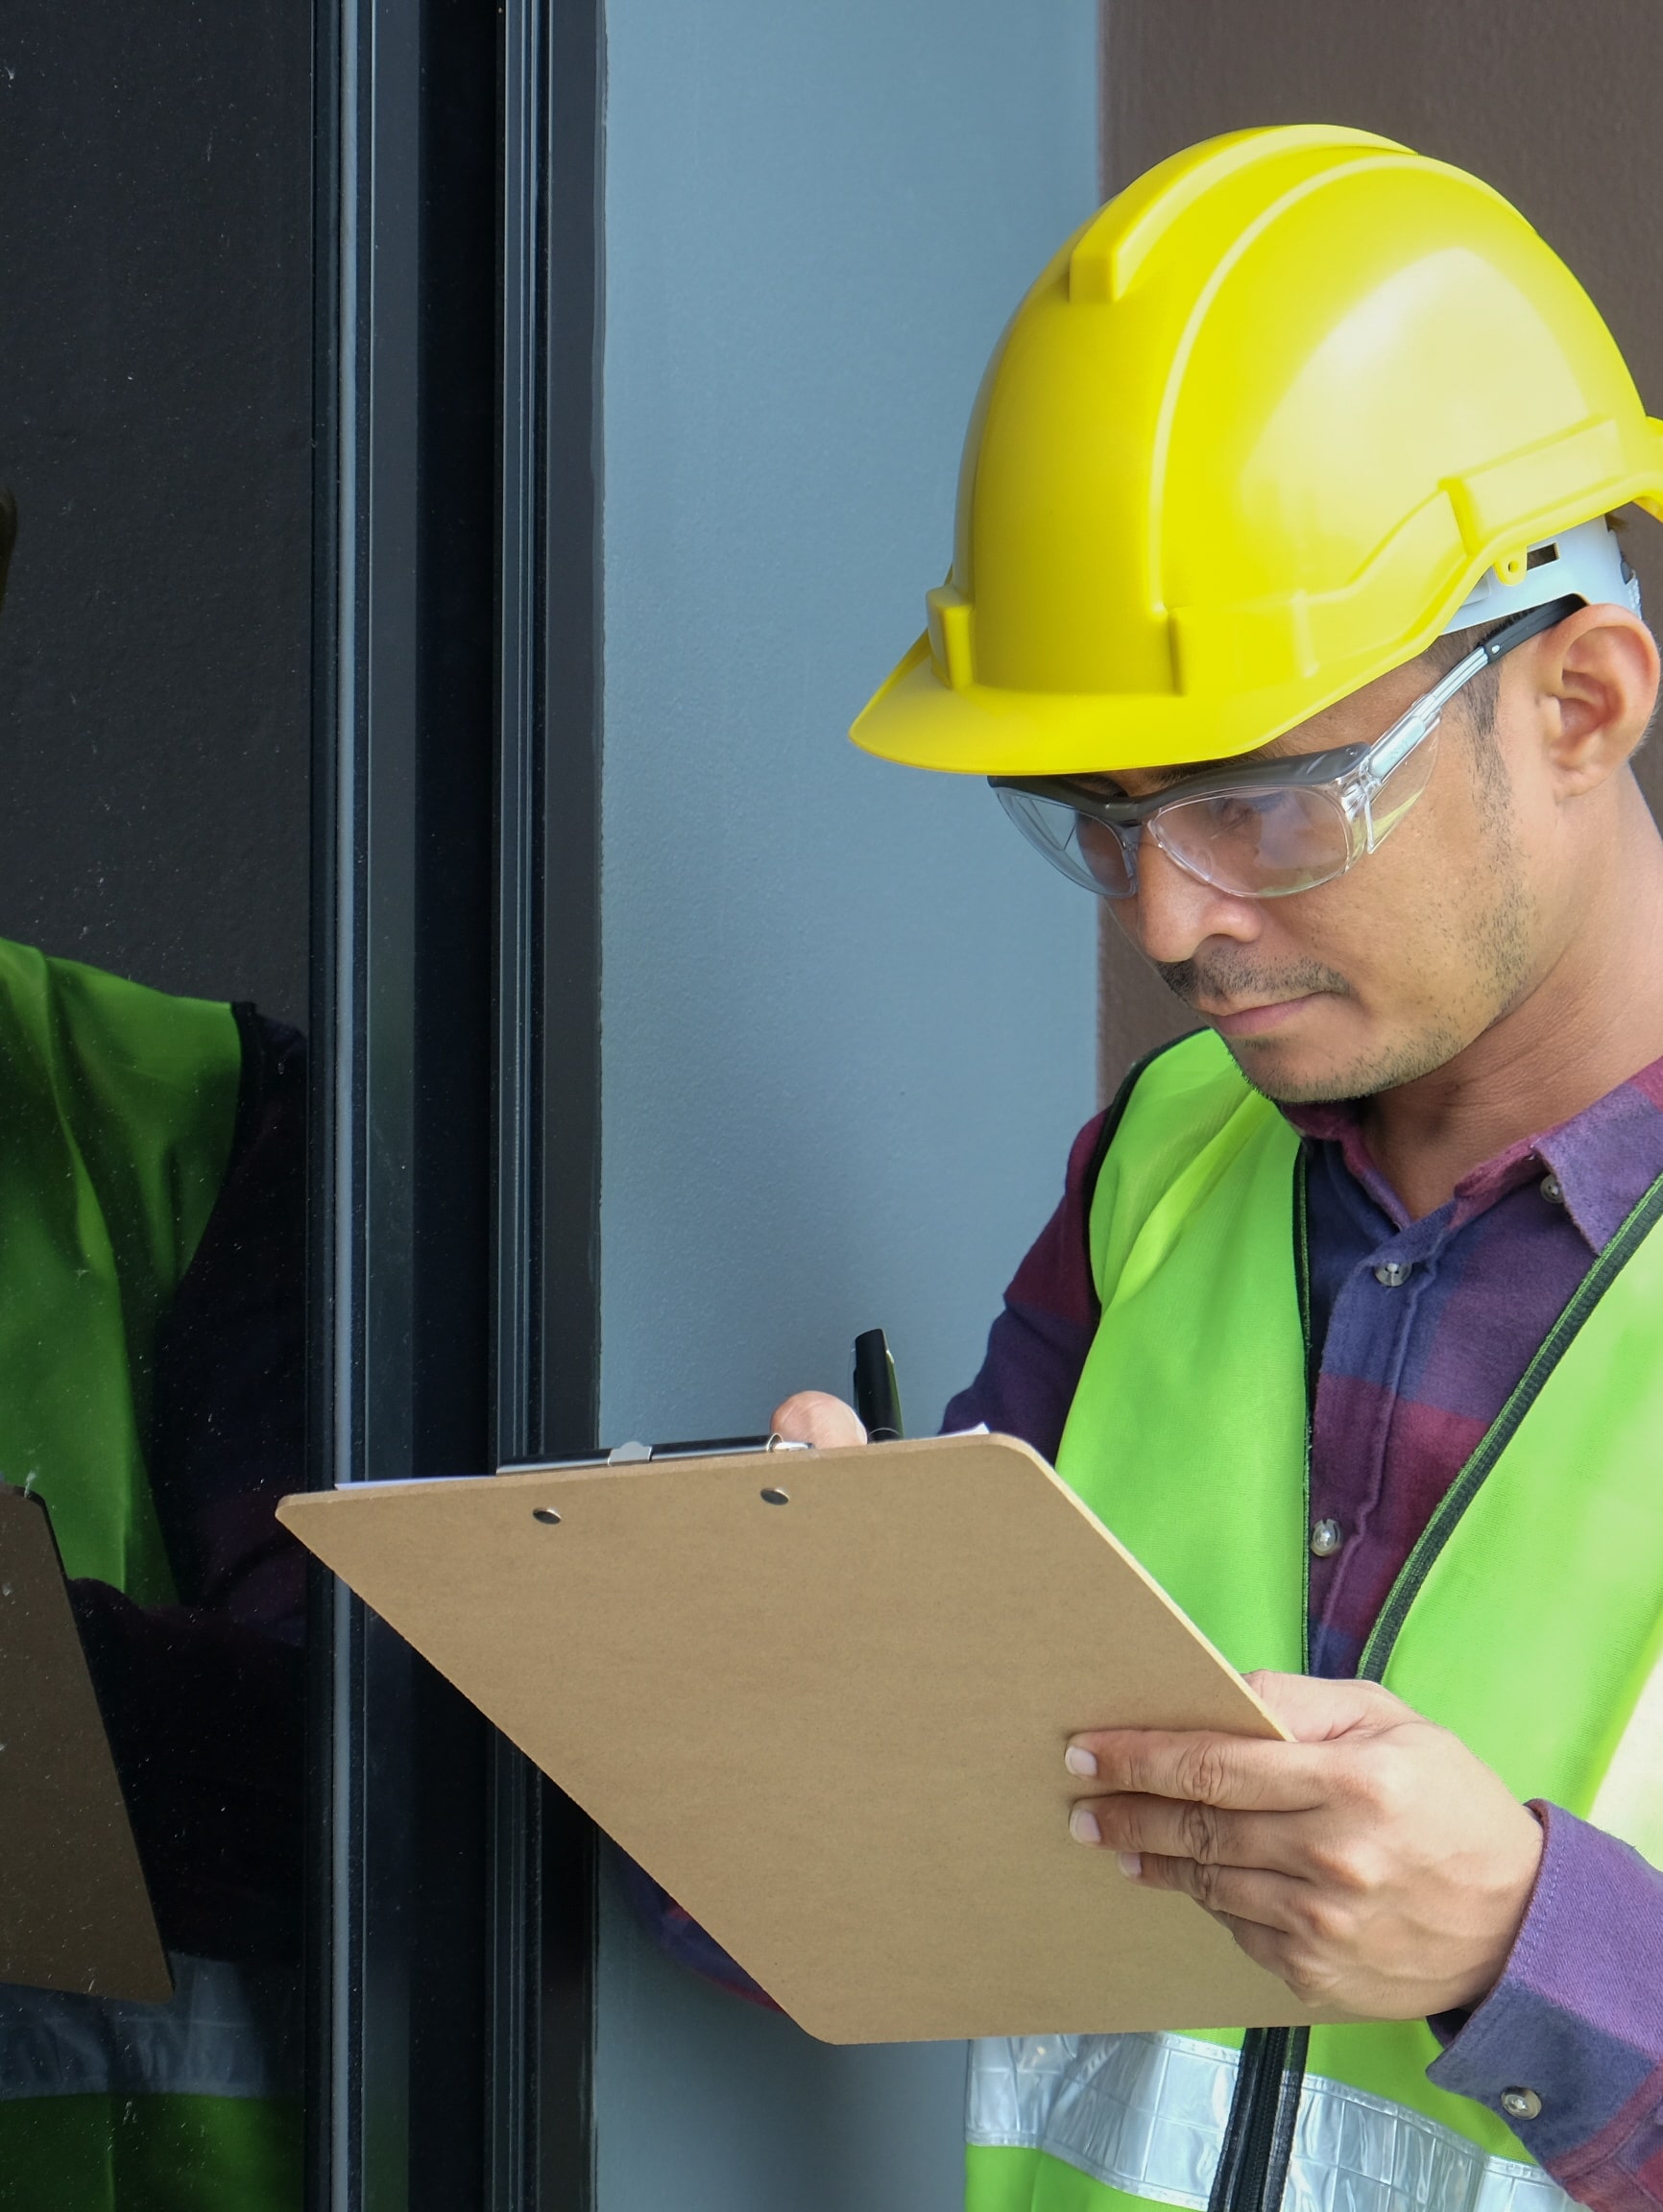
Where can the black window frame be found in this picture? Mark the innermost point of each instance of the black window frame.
(455, 1008)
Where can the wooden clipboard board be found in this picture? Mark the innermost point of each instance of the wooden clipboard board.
(832, 1724)
(74, 1910)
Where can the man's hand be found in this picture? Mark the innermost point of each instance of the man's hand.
(816, 1417)
(1373, 1863)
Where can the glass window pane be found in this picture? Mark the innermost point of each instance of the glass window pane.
(155, 667)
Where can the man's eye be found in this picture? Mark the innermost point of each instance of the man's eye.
(1236, 810)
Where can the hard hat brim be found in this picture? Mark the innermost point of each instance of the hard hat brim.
(984, 730)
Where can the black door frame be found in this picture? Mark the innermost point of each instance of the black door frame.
(455, 1008)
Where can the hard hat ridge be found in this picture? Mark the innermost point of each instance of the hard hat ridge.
(1253, 437)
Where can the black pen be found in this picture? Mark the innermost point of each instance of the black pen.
(876, 1393)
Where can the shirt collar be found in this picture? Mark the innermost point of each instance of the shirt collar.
(1605, 1159)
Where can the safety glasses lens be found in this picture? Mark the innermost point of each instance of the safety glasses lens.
(1260, 843)
(1089, 852)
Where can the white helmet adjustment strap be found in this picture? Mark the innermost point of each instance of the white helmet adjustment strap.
(1585, 563)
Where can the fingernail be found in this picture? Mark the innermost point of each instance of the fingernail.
(1129, 1862)
(1078, 1760)
(1083, 1825)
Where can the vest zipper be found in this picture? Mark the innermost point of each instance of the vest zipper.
(1258, 2137)
(1270, 2080)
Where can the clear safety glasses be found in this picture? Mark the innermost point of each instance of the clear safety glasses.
(1265, 829)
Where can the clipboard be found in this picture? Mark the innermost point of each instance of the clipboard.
(75, 1913)
(823, 1698)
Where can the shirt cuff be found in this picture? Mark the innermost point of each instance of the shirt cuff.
(1573, 2028)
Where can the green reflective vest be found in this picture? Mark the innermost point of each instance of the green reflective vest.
(117, 1108)
(1517, 1622)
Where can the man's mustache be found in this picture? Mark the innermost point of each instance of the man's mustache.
(1234, 982)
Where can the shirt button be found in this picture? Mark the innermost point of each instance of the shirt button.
(1552, 1190)
(1326, 1538)
(1521, 2104)
(1392, 1273)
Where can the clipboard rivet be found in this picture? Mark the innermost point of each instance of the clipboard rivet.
(545, 1514)
(775, 1498)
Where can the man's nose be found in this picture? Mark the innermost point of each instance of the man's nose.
(1174, 913)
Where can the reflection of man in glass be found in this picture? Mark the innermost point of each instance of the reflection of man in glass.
(150, 1374)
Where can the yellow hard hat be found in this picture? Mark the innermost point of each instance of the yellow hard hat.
(1252, 439)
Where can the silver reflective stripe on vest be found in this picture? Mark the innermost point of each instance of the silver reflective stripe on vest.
(226, 2031)
(1147, 2114)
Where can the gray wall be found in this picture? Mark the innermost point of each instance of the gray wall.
(847, 1018)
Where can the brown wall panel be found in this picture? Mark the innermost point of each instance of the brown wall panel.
(1553, 102)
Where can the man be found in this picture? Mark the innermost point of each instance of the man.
(1285, 616)
(151, 1377)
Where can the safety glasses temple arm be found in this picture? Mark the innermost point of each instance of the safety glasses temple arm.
(1401, 740)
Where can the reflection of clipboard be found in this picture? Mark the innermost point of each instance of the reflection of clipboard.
(823, 1698)
(74, 1912)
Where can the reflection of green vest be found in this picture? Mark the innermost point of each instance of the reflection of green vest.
(117, 1106)
(1528, 1620)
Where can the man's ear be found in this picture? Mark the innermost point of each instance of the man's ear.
(1594, 677)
